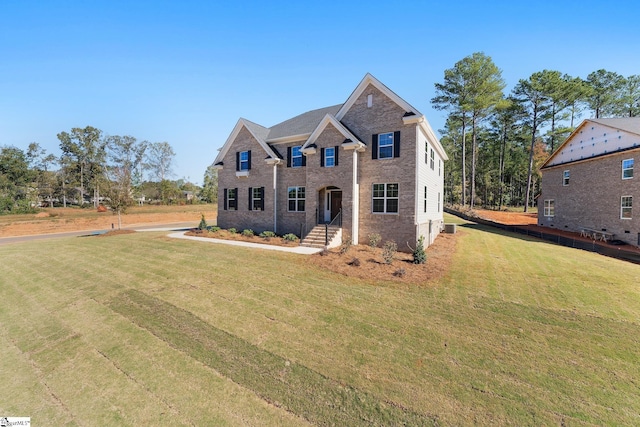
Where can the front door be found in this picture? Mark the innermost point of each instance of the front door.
(336, 203)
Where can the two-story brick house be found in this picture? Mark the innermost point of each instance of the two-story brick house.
(589, 182)
(372, 164)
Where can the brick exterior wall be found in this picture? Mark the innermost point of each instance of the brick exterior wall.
(385, 116)
(260, 175)
(592, 198)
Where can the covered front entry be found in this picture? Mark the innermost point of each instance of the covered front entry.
(330, 203)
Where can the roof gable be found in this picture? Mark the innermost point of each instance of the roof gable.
(329, 119)
(597, 137)
(257, 131)
(362, 86)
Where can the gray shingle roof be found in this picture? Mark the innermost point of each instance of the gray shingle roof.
(629, 124)
(302, 124)
(259, 131)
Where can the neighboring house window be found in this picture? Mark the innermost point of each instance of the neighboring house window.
(295, 159)
(256, 198)
(230, 199)
(626, 204)
(627, 169)
(549, 207)
(433, 160)
(385, 198)
(329, 157)
(565, 178)
(243, 160)
(425, 198)
(296, 199)
(385, 145)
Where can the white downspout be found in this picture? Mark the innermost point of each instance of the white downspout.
(275, 197)
(355, 204)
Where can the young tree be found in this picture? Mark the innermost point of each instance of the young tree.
(533, 97)
(124, 153)
(15, 178)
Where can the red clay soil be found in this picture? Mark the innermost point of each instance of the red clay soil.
(530, 221)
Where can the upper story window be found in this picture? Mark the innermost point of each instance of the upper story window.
(295, 158)
(565, 178)
(425, 198)
(329, 157)
(432, 159)
(549, 207)
(627, 169)
(385, 145)
(385, 198)
(426, 152)
(243, 160)
(626, 205)
(296, 199)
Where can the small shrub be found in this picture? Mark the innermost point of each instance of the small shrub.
(355, 262)
(247, 232)
(400, 272)
(203, 223)
(419, 255)
(389, 250)
(267, 235)
(232, 230)
(374, 240)
(290, 237)
(346, 245)
(214, 229)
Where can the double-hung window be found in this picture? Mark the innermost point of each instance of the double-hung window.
(565, 178)
(329, 157)
(296, 157)
(244, 160)
(296, 199)
(432, 160)
(256, 198)
(231, 199)
(549, 207)
(385, 198)
(385, 145)
(425, 198)
(626, 205)
(627, 169)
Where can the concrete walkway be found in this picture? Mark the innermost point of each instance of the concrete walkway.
(303, 250)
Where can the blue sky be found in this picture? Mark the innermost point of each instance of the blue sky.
(185, 71)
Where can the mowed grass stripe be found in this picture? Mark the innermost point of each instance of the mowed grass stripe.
(289, 385)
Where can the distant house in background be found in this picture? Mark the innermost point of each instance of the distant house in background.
(590, 183)
(370, 165)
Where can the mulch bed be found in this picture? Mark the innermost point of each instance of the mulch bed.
(225, 235)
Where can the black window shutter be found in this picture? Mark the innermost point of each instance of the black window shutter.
(322, 157)
(250, 194)
(288, 157)
(237, 161)
(335, 150)
(304, 159)
(374, 146)
(249, 163)
(225, 199)
(396, 144)
(262, 198)
(235, 201)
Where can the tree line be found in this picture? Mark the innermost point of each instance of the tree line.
(91, 169)
(497, 141)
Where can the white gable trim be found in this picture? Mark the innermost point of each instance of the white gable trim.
(432, 138)
(370, 80)
(234, 134)
(329, 119)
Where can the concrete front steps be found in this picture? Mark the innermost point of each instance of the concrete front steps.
(316, 237)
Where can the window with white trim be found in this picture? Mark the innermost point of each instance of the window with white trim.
(426, 152)
(549, 207)
(244, 160)
(231, 199)
(256, 198)
(385, 198)
(626, 205)
(627, 169)
(296, 157)
(432, 160)
(296, 199)
(329, 157)
(565, 178)
(425, 198)
(385, 145)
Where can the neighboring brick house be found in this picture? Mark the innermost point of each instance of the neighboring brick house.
(372, 164)
(589, 182)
